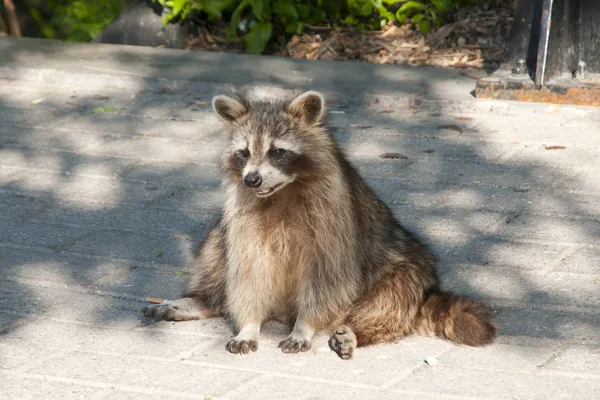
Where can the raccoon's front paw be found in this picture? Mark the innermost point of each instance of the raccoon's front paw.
(293, 345)
(237, 346)
(343, 342)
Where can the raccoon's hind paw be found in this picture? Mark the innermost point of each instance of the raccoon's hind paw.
(293, 345)
(236, 346)
(343, 342)
(178, 310)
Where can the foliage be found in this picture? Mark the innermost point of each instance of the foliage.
(257, 21)
(73, 20)
(260, 19)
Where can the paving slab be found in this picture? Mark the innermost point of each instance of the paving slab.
(109, 179)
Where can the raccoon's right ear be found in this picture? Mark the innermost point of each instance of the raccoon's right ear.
(228, 109)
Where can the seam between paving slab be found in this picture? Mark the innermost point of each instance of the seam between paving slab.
(101, 384)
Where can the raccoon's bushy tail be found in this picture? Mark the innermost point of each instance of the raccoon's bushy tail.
(457, 319)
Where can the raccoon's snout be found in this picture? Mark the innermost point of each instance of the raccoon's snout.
(253, 180)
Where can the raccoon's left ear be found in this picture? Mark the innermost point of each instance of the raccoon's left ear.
(309, 107)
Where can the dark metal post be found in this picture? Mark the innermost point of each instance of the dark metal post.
(546, 23)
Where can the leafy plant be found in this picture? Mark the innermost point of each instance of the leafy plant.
(260, 20)
(256, 21)
(254, 18)
(424, 14)
(181, 9)
(73, 20)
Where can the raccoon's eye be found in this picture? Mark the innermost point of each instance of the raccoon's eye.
(277, 152)
(242, 153)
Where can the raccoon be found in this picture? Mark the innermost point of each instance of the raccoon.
(303, 240)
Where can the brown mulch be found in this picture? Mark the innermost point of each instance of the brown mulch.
(472, 38)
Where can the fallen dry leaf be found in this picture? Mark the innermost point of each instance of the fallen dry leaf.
(393, 156)
(155, 300)
(456, 128)
(554, 147)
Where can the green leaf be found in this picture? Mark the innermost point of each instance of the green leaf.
(108, 109)
(366, 9)
(235, 17)
(303, 11)
(442, 5)
(384, 13)
(425, 26)
(292, 27)
(166, 19)
(178, 6)
(186, 10)
(401, 17)
(214, 8)
(410, 5)
(196, 6)
(258, 37)
(417, 18)
(212, 11)
(258, 9)
(285, 8)
(350, 20)
(318, 16)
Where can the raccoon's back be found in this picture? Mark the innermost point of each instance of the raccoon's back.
(378, 230)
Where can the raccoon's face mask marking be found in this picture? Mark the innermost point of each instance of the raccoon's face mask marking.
(267, 148)
(267, 170)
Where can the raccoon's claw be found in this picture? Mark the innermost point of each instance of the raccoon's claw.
(178, 310)
(291, 345)
(159, 311)
(236, 346)
(343, 342)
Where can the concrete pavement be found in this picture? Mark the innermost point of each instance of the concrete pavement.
(109, 178)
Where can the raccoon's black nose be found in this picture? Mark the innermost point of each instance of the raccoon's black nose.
(253, 180)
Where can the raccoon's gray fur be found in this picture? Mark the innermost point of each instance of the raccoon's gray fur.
(302, 239)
